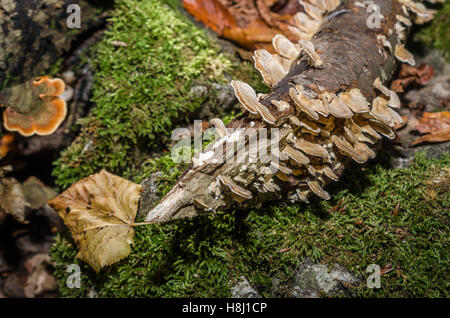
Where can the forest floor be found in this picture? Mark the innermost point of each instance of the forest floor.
(153, 70)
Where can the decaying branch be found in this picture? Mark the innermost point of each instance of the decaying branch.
(328, 104)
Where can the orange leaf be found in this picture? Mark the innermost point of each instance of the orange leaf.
(439, 136)
(211, 13)
(251, 24)
(433, 122)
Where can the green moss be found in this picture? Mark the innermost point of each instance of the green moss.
(435, 34)
(201, 257)
(141, 90)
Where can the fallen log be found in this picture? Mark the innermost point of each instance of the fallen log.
(327, 105)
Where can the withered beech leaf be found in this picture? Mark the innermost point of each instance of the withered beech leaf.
(12, 198)
(436, 126)
(99, 211)
(37, 193)
(252, 24)
(410, 74)
(438, 136)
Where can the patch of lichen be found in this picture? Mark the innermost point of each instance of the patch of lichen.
(435, 34)
(141, 90)
(202, 257)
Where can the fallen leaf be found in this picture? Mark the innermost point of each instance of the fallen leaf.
(410, 74)
(37, 193)
(12, 198)
(99, 211)
(432, 122)
(284, 250)
(436, 126)
(334, 209)
(251, 24)
(439, 136)
(211, 13)
(388, 268)
(397, 207)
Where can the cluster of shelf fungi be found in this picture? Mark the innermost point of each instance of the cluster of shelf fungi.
(327, 102)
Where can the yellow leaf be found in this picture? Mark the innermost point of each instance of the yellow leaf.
(99, 211)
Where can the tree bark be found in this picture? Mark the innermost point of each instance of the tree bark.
(353, 58)
(34, 36)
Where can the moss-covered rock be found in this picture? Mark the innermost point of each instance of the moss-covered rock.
(202, 257)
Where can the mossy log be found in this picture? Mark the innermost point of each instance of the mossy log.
(34, 36)
(349, 54)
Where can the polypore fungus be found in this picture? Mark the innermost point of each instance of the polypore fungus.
(404, 55)
(40, 111)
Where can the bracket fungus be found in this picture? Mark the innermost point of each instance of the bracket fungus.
(35, 108)
(308, 47)
(325, 108)
(403, 55)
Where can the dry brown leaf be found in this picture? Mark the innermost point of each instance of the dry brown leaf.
(439, 136)
(410, 74)
(12, 198)
(433, 122)
(99, 211)
(435, 125)
(211, 13)
(250, 23)
(119, 43)
(37, 193)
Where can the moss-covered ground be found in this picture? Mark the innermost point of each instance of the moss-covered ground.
(203, 256)
(398, 219)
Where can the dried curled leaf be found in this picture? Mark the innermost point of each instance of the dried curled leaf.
(37, 193)
(438, 136)
(410, 74)
(99, 211)
(250, 23)
(212, 13)
(436, 126)
(12, 198)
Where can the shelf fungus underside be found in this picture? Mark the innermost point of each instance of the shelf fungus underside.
(328, 104)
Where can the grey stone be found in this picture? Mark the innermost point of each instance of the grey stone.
(199, 90)
(225, 95)
(243, 289)
(312, 279)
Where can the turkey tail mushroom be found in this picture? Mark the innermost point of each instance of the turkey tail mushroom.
(35, 107)
(322, 110)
